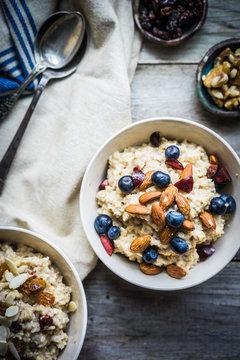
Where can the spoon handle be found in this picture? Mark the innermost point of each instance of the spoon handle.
(7, 159)
(8, 103)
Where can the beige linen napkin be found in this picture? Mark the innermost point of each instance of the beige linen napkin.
(73, 118)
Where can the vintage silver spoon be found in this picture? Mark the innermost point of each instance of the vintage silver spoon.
(48, 75)
(57, 42)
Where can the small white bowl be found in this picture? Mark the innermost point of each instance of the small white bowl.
(78, 320)
(136, 134)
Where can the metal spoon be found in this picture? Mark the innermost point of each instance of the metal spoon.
(48, 75)
(57, 42)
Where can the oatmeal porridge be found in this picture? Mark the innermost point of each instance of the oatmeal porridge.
(34, 305)
(163, 202)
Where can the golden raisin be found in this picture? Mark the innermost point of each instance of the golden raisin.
(3, 308)
(20, 346)
(45, 298)
(3, 268)
(24, 288)
(35, 285)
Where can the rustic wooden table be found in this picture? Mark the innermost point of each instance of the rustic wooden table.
(202, 323)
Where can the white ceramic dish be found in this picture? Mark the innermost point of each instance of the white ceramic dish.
(138, 133)
(78, 321)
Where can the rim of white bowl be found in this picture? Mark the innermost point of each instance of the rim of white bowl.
(75, 273)
(84, 181)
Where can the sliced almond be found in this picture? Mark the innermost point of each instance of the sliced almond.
(3, 332)
(183, 204)
(140, 243)
(3, 347)
(187, 171)
(213, 160)
(15, 318)
(148, 196)
(5, 321)
(18, 281)
(22, 269)
(167, 234)
(168, 196)
(8, 275)
(150, 269)
(13, 351)
(72, 306)
(208, 220)
(12, 266)
(158, 216)
(147, 182)
(12, 311)
(10, 298)
(3, 285)
(138, 209)
(176, 271)
(188, 225)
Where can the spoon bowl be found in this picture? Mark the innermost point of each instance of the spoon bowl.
(61, 41)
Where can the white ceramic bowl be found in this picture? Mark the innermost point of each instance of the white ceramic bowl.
(78, 320)
(138, 133)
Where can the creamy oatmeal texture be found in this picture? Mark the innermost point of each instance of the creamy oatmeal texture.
(113, 202)
(40, 343)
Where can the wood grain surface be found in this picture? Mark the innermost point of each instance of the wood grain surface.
(202, 323)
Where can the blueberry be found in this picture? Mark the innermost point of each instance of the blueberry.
(230, 203)
(172, 152)
(114, 232)
(160, 179)
(175, 219)
(102, 223)
(179, 246)
(150, 255)
(217, 206)
(126, 184)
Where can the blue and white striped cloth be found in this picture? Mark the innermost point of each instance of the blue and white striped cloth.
(19, 21)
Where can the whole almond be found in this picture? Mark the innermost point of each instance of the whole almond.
(138, 209)
(150, 269)
(140, 243)
(188, 225)
(147, 182)
(168, 196)
(167, 234)
(187, 171)
(208, 220)
(183, 204)
(158, 216)
(176, 271)
(148, 196)
(213, 160)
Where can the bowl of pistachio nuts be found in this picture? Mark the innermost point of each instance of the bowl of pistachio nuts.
(159, 202)
(218, 79)
(43, 311)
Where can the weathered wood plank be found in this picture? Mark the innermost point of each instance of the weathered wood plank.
(222, 22)
(126, 322)
(170, 90)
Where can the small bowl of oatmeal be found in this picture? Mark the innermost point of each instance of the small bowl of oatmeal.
(43, 311)
(158, 203)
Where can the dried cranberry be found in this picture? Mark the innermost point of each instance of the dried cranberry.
(155, 138)
(204, 251)
(103, 184)
(146, 24)
(185, 184)
(15, 327)
(45, 320)
(138, 176)
(174, 164)
(107, 244)
(222, 176)
(166, 11)
(212, 170)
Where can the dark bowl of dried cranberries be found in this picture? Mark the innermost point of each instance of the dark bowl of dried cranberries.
(169, 22)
